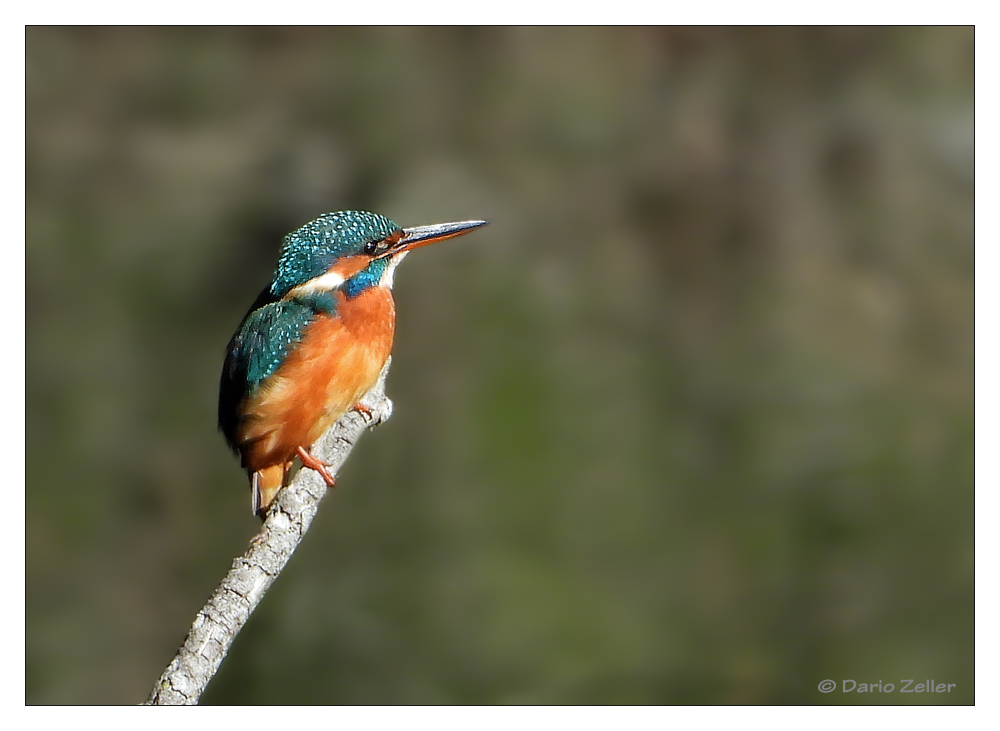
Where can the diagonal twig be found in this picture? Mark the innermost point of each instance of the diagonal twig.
(220, 620)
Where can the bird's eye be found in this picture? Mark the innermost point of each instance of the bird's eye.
(370, 248)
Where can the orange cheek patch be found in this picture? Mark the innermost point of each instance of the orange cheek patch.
(351, 265)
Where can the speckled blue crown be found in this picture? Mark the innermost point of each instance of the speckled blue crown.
(310, 250)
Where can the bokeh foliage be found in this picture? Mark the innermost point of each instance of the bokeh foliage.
(690, 422)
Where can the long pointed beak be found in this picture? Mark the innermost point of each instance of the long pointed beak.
(418, 236)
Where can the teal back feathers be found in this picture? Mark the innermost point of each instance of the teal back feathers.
(265, 338)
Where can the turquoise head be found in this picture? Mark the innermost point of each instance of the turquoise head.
(350, 251)
(313, 250)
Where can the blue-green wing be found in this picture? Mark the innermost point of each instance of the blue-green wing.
(264, 339)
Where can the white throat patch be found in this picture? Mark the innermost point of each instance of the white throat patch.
(390, 270)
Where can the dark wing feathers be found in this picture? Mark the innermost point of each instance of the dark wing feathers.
(265, 337)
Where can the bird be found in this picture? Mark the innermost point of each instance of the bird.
(314, 341)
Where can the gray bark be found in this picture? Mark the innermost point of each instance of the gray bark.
(220, 620)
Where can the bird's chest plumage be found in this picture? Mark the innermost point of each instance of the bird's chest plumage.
(336, 362)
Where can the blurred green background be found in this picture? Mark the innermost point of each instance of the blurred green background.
(690, 422)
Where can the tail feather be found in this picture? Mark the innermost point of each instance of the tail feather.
(264, 486)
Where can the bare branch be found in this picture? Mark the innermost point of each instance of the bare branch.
(220, 620)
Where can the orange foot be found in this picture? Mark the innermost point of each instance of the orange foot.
(314, 464)
(362, 409)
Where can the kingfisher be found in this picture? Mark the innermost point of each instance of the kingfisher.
(314, 341)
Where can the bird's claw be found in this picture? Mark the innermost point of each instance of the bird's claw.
(362, 409)
(313, 463)
(374, 416)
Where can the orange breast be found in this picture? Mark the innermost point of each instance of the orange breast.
(337, 361)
